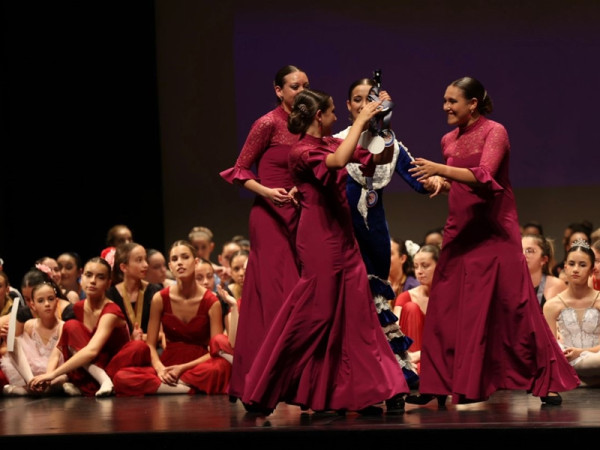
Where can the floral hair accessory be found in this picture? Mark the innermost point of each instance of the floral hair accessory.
(44, 268)
(411, 247)
(110, 257)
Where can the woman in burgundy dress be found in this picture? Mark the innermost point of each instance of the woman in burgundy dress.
(325, 350)
(484, 329)
(272, 264)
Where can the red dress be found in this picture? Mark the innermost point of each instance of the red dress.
(272, 268)
(325, 349)
(118, 351)
(185, 342)
(412, 320)
(485, 330)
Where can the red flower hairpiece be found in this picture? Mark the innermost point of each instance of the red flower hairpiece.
(110, 257)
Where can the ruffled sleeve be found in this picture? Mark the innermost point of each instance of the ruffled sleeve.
(312, 157)
(365, 158)
(256, 143)
(485, 178)
(314, 151)
(361, 156)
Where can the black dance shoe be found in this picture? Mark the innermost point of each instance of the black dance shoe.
(371, 411)
(254, 408)
(327, 413)
(552, 400)
(423, 399)
(395, 405)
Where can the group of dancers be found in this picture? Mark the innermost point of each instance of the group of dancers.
(316, 329)
(310, 332)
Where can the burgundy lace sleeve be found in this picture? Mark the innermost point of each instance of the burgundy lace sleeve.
(495, 148)
(257, 142)
(494, 151)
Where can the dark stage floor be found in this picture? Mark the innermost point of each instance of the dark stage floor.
(509, 418)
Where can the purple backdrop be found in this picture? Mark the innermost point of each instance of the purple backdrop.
(540, 68)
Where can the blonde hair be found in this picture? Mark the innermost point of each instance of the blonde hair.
(199, 232)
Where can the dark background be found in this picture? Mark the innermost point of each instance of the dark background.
(81, 149)
(125, 112)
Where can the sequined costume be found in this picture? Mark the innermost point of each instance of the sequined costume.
(580, 328)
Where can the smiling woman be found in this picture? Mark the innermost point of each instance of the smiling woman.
(462, 355)
(366, 201)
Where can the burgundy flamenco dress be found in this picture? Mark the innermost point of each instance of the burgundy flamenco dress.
(272, 268)
(484, 330)
(185, 342)
(118, 351)
(325, 349)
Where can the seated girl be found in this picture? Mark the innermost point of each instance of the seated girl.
(96, 343)
(32, 349)
(192, 321)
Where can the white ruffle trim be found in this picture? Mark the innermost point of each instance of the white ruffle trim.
(381, 303)
(381, 178)
(406, 363)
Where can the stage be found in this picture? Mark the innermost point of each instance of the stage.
(509, 418)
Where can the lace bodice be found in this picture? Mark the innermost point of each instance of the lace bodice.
(579, 327)
(484, 137)
(267, 147)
